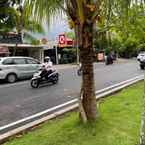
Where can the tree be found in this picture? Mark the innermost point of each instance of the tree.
(129, 30)
(70, 34)
(7, 15)
(83, 15)
(13, 16)
(25, 25)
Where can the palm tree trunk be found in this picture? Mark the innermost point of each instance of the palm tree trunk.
(86, 55)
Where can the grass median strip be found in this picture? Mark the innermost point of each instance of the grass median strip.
(117, 124)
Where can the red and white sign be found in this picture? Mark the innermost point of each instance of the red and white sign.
(62, 39)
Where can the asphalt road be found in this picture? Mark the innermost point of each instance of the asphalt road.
(19, 100)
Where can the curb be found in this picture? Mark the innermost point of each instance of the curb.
(99, 94)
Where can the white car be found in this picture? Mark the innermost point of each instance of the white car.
(13, 68)
(140, 56)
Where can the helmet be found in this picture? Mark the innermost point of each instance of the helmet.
(47, 59)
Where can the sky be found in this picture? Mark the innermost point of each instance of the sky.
(57, 27)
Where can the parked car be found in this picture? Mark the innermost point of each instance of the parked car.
(13, 68)
(140, 55)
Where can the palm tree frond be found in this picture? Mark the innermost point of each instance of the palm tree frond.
(43, 10)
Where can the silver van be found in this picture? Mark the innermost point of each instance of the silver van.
(13, 68)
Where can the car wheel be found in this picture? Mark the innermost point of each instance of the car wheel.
(11, 78)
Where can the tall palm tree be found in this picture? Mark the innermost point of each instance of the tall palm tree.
(83, 14)
(25, 25)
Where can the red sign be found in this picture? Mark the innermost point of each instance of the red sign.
(62, 39)
(69, 42)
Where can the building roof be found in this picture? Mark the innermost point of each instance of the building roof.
(20, 45)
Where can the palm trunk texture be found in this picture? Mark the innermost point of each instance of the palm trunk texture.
(86, 55)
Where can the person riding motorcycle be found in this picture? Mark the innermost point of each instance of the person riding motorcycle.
(47, 74)
(109, 59)
(46, 67)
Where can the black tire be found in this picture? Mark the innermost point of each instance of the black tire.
(34, 83)
(56, 79)
(79, 72)
(11, 78)
(141, 67)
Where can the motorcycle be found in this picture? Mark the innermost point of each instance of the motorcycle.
(37, 79)
(109, 60)
(79, 71)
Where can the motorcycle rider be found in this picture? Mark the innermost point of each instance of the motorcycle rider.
(47, 67)
(109, 59)
(79, 71)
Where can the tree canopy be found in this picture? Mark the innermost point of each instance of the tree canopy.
(7, 15)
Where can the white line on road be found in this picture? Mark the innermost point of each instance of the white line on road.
(38, 114)
(63, 105)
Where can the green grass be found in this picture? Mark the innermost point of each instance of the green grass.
(118, 124)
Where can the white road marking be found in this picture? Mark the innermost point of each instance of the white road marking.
(38, 114)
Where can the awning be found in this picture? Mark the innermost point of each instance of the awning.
(4, 50)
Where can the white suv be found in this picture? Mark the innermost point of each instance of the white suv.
(13, 68)
(140, 56)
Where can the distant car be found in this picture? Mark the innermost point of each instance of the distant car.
(140, 55)
(13, 68)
